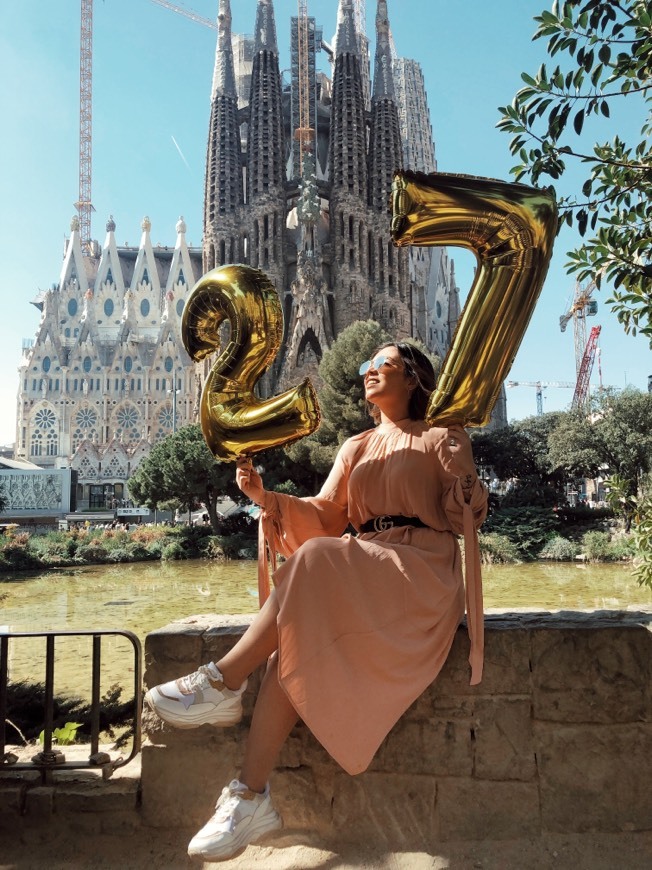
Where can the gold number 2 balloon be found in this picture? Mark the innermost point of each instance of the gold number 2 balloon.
(234, 421)
(511, 229)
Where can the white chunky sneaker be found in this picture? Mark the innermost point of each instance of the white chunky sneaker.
(201, 698)
(241, 817)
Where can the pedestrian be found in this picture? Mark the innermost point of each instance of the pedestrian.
(357, 626)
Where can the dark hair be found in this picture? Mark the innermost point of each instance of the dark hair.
(417, 365)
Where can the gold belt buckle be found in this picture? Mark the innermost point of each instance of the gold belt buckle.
(381, 524)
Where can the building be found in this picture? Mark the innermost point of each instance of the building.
(297, 184)
(107, 374)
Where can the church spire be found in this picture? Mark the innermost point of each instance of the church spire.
(347, 41)
(385, 149)
(348, 145)
(265, 39)
(223, 73)
(266, 151)
(383, 79)
(223, 193)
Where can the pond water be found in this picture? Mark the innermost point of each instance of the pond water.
(143, 596)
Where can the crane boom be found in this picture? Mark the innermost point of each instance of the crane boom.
(581, 395)
(540, 386)
(84, 204)
(304, 132)
(187, 13)
(581, 307)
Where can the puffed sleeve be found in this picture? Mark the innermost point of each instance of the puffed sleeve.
(287, 521)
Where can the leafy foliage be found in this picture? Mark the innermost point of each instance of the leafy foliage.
(521, 451)
(603, 50)
(528, 529)
(26, 705)
(181, 468)
(617, 439)
(559, 549)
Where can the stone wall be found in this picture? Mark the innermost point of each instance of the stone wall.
(556, 739)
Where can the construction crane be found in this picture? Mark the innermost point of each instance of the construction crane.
(540, 387)
(188, 13)
(580, 308)
(304, 133)
(84, 204)
(581, 395)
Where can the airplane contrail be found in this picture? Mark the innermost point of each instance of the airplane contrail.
(176, 145)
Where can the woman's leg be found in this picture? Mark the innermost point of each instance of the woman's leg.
(253, 649)
(273, 719)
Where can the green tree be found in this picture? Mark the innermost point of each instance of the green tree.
(604, 54)
(181, 469)
(341, 397)
(521, 451)
(615, 439)
(4, 501)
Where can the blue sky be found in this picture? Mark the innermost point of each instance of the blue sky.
(152, 73)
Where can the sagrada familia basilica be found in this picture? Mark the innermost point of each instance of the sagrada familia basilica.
(305, 199)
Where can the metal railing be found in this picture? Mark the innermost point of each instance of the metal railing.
(51, 758)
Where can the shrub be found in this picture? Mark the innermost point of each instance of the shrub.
(155, 549)
(527, 528)
(496, 548)
(174, 550)
(15, 556)
(138, 552)
(119, 554)
(596, 546)
(559, 549)
(91, 552)
(213, 548)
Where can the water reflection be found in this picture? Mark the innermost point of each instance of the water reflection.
(144, 596)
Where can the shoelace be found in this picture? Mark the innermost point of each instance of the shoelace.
(195, 680)
(226, 805)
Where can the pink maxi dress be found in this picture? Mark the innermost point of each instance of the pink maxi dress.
(366, 622)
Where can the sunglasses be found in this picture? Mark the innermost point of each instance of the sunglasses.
(376, 364)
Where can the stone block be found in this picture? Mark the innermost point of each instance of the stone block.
(96, 796)
(39, 803)
(180, 788)
(395, 811)
(434, 747)
(121, 824)
(504, 745)
(303, 798)
(595, 778)
(12, 799)
(171, 652)
(471, 809)
(599, 675)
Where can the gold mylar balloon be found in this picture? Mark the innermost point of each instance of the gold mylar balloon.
(234, 421)
(511, 229)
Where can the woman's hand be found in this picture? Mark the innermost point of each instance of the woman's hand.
(456, 455)
(249, 481)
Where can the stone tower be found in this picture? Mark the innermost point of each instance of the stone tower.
(317, 226)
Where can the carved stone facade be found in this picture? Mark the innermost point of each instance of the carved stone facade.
(311, 208)
(97, 385)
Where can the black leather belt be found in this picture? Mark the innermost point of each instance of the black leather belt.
(381, 524)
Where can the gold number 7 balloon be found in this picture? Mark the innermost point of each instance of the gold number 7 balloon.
(511, 229)
(234, 420)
